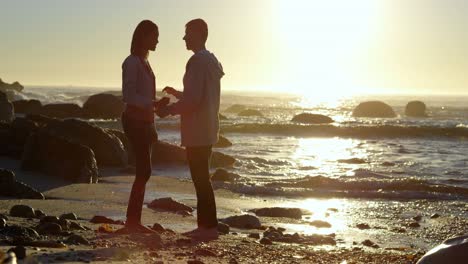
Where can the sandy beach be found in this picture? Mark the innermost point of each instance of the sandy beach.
(392, 240)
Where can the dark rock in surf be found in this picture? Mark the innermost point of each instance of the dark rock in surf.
(308, 118)
(374, 109)
(416, 109)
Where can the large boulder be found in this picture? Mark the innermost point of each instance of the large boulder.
(243, 221)
(62, 111)
(7, 112)
(416, 109)
(373, 109)
(126, 143)
(453, 251)
(223, 175)
(13, 136)
(221, 160)
(56, 156)
(10, 187)
(27, 106)
(250, 112)
(103, 105)
(312, 119)
(222, 142)
(107, 148)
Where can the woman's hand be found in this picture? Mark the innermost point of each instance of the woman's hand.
(161, 103)
(171, 91)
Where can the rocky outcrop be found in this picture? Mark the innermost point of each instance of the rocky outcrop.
(308, 118)
(7, 112)
(56, 156)
(250, 112)
(10, 187)
(223, 142)
(107, 148)
(416, 109)
(15, 86)
(454, 250)
(104, 106)
(62, 111)
(374, 109)
(27, 106)
(13, 136)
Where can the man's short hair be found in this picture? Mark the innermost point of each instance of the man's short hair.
(200, 26)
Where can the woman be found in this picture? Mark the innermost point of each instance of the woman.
(139, 95)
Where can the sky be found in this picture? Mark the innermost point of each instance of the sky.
(301, 46)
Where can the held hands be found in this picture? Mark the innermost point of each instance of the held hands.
(171, 91)
(160, 107)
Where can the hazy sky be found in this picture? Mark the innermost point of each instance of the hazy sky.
(306, 46)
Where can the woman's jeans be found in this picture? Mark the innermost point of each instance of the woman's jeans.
(141, 135)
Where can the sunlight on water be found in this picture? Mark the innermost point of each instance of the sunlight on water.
(322, 210)
(323, 153)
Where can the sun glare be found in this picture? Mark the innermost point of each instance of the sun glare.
(323, 40)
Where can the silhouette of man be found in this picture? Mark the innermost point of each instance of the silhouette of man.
(198, 106)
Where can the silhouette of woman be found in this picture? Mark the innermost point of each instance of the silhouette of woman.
(139, 96)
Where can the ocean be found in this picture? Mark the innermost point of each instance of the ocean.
(389, 158)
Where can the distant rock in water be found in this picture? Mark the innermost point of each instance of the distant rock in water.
(250, 112)
(16, 86)
(222, 142)
(373, 109)
(222, 117)
(104, 106)
(352, 161)
(10, 187)
(295, 213)
(453, 251)
(56, 156)
(62, 111)
(27, 106)
(416, 109)
(220, 160)
(7, 112)
(243, 221)
(312, 119)
(235, 108)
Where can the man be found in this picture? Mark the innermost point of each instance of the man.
(198, 106)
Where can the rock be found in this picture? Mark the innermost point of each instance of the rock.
(453, 251)
(19, 251)
(15, 86)
(416, 109)
(312, 119)
(7, 112)
(235, 108)
(127, 146)
(158, 228)
(220, 160)
(320, 224)
(106, 106)
(2, 216)
(168, 204)
(254, 235)
(69, 216)
(434, 216)
(363, 226)
(49, 228)
(373, 109)
(23, 211)
(39, 213)
(369, 243)
(222, 117)
(388, 164)
(195, 261)
(64, 223)
(19, 233)
(223, 175)
(3, 223)
(223, 142)
(417, 218)
(98, 219)
(243, 221)
(202, 252)
(76, 226)
(414, 225)
(352, 161)
(223, 228)
(295, 213)
(62, 111)
(49, 219)
(56, 156)
(107, 148)
(250, 112)
(27, 106)
(265, 241)
(10, 187)
(77, 240)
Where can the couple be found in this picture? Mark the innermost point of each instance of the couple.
(198, 106)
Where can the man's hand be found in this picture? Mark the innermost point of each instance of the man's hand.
(171, 91)
(162, 102)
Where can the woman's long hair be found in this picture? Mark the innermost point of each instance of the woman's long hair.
(141, 31)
